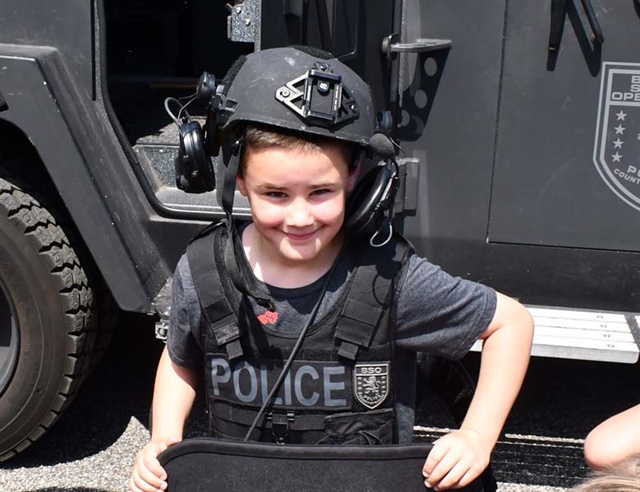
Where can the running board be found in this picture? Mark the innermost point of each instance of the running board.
(584, 334)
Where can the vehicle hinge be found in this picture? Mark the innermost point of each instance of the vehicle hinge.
(243, 22)
(407, 196)
(162, 305)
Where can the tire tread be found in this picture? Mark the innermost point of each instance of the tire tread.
(86, 339)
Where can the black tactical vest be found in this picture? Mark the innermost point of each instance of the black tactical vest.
(340, 387)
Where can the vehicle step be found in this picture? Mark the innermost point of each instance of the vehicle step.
(157, 162)
(584, 334)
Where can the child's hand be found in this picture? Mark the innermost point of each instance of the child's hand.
(457, 459)
(148, 475)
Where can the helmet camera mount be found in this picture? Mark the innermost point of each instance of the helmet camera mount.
(319, 97)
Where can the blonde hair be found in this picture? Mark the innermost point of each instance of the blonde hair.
(622, 477)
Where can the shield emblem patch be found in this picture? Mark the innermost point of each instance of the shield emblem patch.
(371, 384)
(616, 151)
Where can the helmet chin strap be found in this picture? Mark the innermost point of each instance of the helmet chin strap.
(236, 263)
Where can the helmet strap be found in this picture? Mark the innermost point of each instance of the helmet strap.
(240, 272)
(231, 153)
(236, 263)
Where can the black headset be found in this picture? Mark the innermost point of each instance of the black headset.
(369, 206)
(193, 167)
(372, 197)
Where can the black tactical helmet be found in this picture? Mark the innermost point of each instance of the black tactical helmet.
(300, 89)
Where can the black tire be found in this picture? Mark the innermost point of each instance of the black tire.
(48, 335)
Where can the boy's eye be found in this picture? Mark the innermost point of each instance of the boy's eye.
(275, 194)
(321, 191)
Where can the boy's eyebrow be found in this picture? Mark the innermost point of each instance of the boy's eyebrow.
(272, 186)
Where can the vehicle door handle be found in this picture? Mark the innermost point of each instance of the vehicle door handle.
(390, 47)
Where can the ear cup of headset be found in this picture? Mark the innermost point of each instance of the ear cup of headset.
(366, 204)
(194, 170)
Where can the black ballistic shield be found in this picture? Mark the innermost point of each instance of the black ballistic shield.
(207, 464)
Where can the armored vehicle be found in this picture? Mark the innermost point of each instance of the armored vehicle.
(519, 124)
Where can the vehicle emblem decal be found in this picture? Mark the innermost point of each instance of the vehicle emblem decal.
(371, 384)
(616, 151)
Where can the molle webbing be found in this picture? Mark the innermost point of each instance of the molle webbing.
(215, 306)
(369, 296)
(244, 416)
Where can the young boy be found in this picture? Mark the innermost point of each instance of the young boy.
(300, 286)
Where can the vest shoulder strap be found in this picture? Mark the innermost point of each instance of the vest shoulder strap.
(216, 309)
(370, 295)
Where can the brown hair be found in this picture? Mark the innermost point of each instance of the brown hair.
(260, 137)
(622, 477)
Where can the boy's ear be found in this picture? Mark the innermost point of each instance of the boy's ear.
(354, 170)
(241, 186)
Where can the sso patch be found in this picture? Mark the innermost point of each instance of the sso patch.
(371, 384)
(616, 151)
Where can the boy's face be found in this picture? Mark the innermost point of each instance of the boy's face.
(297, 198)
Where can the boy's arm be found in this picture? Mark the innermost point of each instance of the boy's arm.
(173, 396)
(458, 458)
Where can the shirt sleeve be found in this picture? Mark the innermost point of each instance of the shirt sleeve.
(183, 339)
(439, 314)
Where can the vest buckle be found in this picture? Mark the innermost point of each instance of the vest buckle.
(280, 426)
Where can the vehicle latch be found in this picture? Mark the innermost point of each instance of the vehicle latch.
(162, 305)
(407, 195)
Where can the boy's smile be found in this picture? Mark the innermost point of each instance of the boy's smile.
(297, 201)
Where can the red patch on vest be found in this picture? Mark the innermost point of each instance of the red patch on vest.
(268, 317)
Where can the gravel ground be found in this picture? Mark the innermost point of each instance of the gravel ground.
(92, 447)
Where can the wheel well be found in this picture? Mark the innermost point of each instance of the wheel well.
(12, 137)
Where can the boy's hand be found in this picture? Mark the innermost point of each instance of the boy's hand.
(148, 475)
(457, 459)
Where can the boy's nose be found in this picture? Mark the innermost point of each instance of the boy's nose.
(299, 215)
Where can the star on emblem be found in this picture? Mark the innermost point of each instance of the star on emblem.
(616, 157)
(619, 129)
(621, 115)
(617, 144)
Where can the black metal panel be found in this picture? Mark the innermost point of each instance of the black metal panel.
(449, 106)
(548, 186)
(67, 25)
(448, 115)
(544, 275)
(39, 106)
(135, 249)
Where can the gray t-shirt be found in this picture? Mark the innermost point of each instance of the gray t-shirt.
(436, 314)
